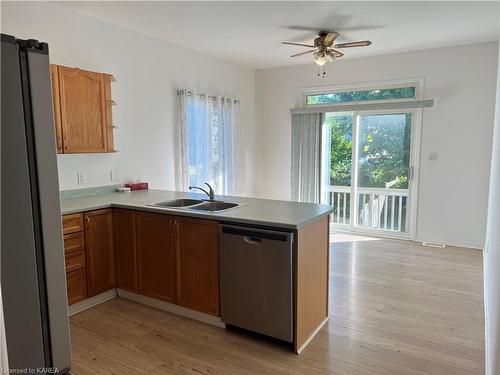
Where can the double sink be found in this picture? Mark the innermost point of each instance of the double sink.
(197, 204)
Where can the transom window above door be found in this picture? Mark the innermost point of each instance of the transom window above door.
(362, 95)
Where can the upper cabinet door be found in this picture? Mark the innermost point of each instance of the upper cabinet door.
(83, 110)
(54, 77)
(99, 246)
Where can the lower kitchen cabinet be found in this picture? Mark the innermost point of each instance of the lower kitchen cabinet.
(99, 246)
(155, 255)
(75, 260)
(197, 260)
(125, 248)
(76, 286)
(173, 259)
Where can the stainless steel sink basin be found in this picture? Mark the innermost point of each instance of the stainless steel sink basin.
(181, 202)
(196, 204)
(213, 206)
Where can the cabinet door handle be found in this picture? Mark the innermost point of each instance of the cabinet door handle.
(87, 219)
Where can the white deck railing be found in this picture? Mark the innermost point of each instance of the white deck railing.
(378, 208)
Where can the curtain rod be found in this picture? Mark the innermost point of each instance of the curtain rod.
(213, 97)
(363, 107)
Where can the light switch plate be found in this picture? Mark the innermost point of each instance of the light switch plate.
(114, 175)
(433, 156)
(81, 178)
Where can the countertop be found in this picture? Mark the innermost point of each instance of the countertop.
(264, 212)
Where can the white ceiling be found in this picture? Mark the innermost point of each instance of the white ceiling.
(249, 33)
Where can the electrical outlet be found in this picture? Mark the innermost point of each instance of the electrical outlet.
(81, 178)
(114, 175)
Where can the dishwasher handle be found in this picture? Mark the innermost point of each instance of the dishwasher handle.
(252, 240)
(255, 236)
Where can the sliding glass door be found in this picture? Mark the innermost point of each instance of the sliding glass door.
(369, 170)
(383, 171)
(337, 155)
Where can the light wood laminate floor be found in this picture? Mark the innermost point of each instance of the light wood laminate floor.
(396, 307)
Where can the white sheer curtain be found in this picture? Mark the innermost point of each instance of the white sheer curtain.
(205, 151)
(306, 157)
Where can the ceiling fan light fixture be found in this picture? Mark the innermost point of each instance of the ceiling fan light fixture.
(321, 58)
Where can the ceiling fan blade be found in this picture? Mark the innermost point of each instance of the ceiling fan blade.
(360, 43)
(330, 37)
(339, 25)
(303, 53)
(298, 44)
(334, 53)
(303, 28)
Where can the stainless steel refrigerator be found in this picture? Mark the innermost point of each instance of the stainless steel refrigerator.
(33, 281)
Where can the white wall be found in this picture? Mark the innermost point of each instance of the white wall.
(148, 72)
(492, 254)
(453, 190)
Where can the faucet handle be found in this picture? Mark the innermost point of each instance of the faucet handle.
(211, 191)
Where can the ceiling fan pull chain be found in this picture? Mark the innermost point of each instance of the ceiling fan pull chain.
(321, 71)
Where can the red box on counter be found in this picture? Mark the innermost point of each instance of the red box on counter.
(137, 186)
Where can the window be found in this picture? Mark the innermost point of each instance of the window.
(342, 97)
(206, 152)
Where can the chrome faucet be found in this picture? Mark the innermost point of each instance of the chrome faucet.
(210, 191)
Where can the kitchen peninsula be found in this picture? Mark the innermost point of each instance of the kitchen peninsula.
(183, 259)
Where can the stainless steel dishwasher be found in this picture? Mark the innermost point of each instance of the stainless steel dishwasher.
(256, 287)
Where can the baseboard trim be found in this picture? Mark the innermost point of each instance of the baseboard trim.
(304, 345)
(174, 309)
(466, 245)
(91, 302)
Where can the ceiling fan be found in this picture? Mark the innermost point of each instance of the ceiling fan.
(324, 47)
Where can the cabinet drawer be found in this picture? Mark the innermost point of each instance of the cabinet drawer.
(76, 284)
(74, 242)
(75, 260)
(72, 223)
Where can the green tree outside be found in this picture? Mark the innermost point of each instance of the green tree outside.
(384, 150)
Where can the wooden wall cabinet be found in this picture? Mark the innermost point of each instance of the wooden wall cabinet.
(197, 261)
(54, 78)
(82, 110)
(100, 251)
(125, 248)
(155, 255)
